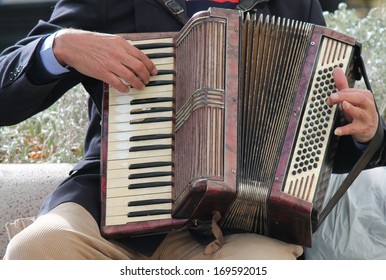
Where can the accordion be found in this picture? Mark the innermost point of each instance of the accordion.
(236, 122)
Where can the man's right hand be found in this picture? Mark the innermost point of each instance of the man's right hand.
(105, 57)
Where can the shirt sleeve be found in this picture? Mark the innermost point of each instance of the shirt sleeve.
(49, 62)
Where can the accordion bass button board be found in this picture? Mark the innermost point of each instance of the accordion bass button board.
(236, 121)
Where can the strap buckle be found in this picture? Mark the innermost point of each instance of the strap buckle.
(174, 7)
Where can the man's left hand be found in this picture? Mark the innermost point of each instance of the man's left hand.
(358, 107)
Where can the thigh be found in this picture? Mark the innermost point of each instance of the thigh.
(66, 232)
(243, 246)
(250, 246)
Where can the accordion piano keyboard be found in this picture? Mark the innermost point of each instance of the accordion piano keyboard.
(140, 142)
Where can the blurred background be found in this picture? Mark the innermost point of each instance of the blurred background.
(361, 6)
(46, 137)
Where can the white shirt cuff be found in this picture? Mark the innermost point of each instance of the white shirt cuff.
(49, 60)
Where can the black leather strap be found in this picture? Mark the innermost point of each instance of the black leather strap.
(248, 5)
(175, 9)
(178, 11)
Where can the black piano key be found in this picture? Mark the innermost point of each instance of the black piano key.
(151, 100)
(149, 185)
(150, 174)
(160, 83)
(150, 137)
(150, 148)
(165, 72)
(149, 202)
(159, 55)
(154, 46)
(148, 213)
(151, 120)
(150, 164)
(150, 110)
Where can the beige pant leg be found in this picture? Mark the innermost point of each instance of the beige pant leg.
(66, 232)
(245, 246)
(70, 232)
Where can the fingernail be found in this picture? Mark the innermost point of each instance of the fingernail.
(334, 96)
(338, 132)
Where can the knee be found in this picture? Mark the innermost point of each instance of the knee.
(254, 246)
(39, 241)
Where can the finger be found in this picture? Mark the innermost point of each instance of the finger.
(141, 56)
(368, 116)
(360, 132)
(348, 129)
(136, 72)
(357, 97)
(140, 64)
(148, 63)
(340, 78)
(130, 78)
(117, 83)
(352, 112)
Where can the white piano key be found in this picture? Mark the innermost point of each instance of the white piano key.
(124, 173)
(115, 155)
(124, 210)
(127, 98)
(124, 182)
(167, 77)
(126, 192)
(128, 172)
(126, 145)
(124, 164)
(161, 61)
(151, 41)
(120, 115)
(159, 50)
(126, 135)
(122, 220)
(150, 89)
(152, 127)
(120, 201)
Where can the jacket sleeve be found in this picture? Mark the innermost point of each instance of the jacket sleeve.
(21, 94)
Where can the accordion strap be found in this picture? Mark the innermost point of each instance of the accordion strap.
(216, 244)
(175, 9)
(248, 5)
(179, 12)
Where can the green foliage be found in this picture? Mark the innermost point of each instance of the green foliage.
(54, 135)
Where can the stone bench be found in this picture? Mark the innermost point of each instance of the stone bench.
(22, 189)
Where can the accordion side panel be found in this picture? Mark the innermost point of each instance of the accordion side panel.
(206, 110)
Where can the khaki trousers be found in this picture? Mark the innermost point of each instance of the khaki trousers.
(70, 232)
